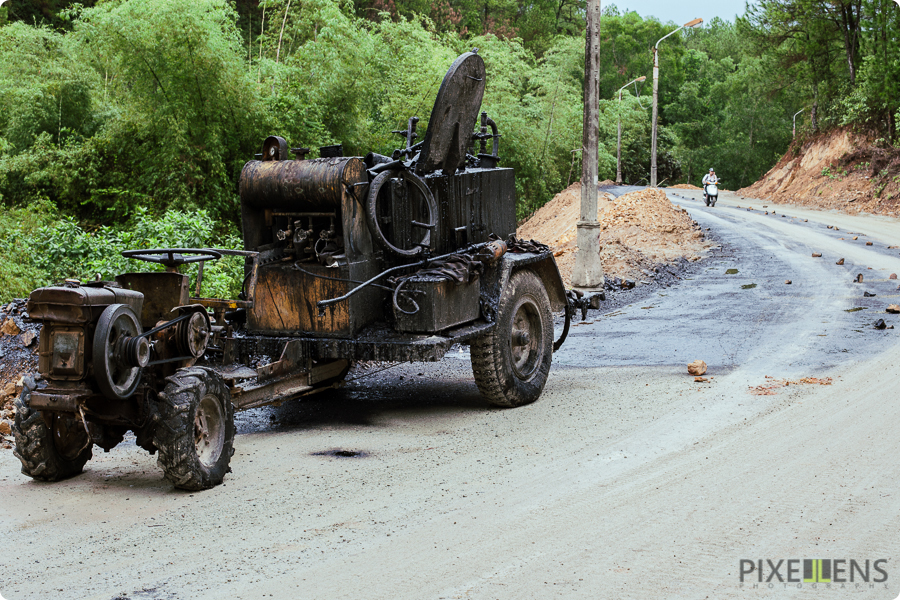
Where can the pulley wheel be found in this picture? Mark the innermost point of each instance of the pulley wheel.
(192, 335)
(116, 376)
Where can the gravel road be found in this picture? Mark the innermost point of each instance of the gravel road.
(627, 479)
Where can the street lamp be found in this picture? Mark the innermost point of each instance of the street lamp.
(619, 143)
(795, 121)
(693, 23)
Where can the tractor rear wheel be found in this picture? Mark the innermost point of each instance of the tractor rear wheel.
(195, 434)
(49, 452)
(512, 362)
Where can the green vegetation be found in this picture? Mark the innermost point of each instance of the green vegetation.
(127, 122)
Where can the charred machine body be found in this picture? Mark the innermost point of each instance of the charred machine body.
(388, 258)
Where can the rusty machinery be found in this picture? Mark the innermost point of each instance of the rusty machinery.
(389, 258)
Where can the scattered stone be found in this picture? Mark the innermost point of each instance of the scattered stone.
(840, 262)
(830, 227)
(27, 338)
(880, 324)
(9, 327)
(892, 276)
(855, 237)
(859, 278)
(868, 295)
(5, 429)
(817, 255)
(697, 368)
(837, 228)
(628, 284)
(787, 282)
(701, 379)
(8, 390)
(806, 220)
(868, 243)
(893, 308)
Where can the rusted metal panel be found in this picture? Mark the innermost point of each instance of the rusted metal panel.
(442, 304)
(78, 303)
(162, 292)
(473, 204)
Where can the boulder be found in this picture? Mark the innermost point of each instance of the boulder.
(697, 368)
(9, 327)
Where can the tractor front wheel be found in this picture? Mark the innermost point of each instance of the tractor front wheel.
(195, 433)
(52, 446)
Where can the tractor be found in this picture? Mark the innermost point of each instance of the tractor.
(346, 258)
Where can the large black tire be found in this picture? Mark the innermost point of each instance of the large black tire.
(195, 433)
(512, 362)
(49, 453)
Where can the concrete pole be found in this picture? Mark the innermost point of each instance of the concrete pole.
(619, 142)
(588, 270)
(655, 99)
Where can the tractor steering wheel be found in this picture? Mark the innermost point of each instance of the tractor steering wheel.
(173, 257)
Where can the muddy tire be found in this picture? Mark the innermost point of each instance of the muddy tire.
(49, 452)
(195, 432)
(512, 362)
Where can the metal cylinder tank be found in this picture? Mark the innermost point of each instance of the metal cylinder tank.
(299, 185)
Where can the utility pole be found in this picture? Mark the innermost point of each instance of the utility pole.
(588, 271)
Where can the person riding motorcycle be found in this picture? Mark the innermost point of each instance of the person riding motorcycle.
(709, 178)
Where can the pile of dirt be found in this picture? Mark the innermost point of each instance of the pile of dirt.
(18, 357)
(841, 170)
(638, 231)
(684, 186)
(606, 183)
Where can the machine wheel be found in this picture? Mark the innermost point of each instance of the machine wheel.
(714, 200)
(195, 433)
(707, 200)
(512, 362)
(49, 452)
(116, 377)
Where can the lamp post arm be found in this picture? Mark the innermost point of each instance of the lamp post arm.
(667, 35)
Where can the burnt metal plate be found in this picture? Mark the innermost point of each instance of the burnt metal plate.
(453, 117)
(442, 304)
(162, 292)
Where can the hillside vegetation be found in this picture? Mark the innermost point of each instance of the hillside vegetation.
(127, 116)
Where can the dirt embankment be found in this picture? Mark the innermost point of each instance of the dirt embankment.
(639, 231)
(840, 170)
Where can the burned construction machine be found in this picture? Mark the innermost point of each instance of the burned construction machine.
(388, 258)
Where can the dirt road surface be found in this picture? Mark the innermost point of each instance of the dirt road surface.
(627, 479)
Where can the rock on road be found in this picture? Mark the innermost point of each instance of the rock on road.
(627, 479)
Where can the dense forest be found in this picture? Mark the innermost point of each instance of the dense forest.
(127, 122)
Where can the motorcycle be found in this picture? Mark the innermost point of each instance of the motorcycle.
(711, 194)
